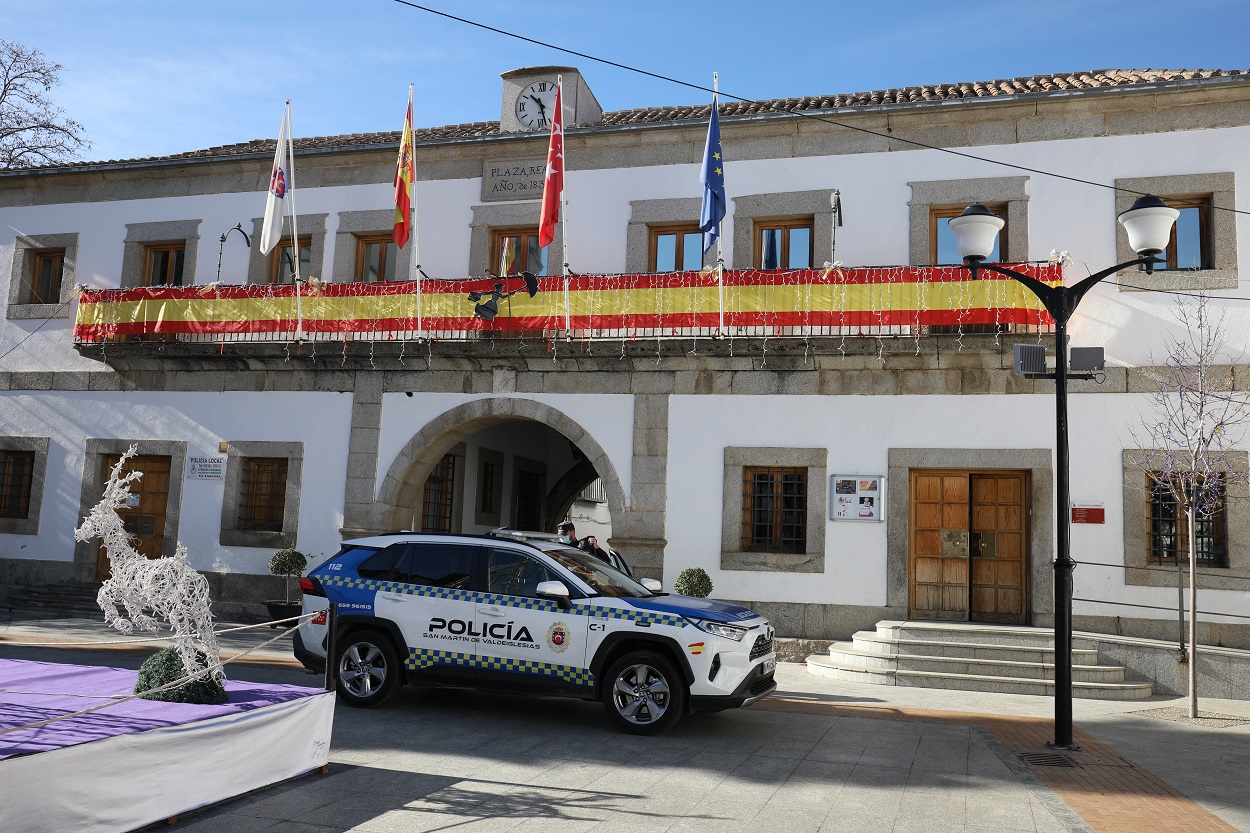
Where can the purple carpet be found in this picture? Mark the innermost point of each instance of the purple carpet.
(35, 691)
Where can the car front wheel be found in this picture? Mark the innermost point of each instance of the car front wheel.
(644, 693)
(368, 669)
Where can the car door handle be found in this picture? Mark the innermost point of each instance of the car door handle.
(392, 597)
(491, 611)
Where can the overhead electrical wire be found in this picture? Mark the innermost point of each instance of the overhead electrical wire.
(775, 109)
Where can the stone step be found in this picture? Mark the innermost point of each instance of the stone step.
(853, 658)
(971, 632)
(794, 649)
(826, 667)
(875, 642)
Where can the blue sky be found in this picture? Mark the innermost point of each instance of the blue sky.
(150, 77)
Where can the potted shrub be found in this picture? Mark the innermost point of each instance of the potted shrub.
(288, 563)
(693, 581)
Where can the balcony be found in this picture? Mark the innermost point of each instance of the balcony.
(837, 303)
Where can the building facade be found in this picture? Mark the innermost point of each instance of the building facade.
(830, 476)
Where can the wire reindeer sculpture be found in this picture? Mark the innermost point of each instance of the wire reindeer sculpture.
(150, 589)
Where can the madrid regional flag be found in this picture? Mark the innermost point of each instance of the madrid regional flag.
(553, 185)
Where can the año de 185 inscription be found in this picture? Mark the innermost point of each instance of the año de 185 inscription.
(513, 179)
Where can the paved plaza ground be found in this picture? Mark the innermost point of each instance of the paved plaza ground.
(820, 755)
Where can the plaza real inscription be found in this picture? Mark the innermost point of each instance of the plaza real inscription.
(513, 179)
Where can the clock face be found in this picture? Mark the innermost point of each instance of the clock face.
(535, 105)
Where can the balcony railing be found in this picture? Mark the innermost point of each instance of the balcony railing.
(882, 302)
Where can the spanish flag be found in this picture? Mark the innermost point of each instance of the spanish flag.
(403, 181)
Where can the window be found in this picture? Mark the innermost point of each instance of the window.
(518, 251)
(784, 245)
(437, 565)
(17, 469)
(282, 269)
(1202, 251)
(164, 264)
(376, 257)
(1168, 531)
(382, 563)
(41, 276)
(1189, 248)
(436, 503)
(489, 475)
(676, 248)
(489, 500)
(942, 248)
(261, 494)
(514, 574)
(44, 286)
(527, 510)
(774, 509)
(263, 503)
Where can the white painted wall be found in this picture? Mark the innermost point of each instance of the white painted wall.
(858, 431)
(202, 420)
(1062, 215)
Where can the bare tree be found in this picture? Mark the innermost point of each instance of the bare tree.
(33, 130)
(1188, 443)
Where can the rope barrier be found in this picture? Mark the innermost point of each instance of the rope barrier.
(9, 644)
(174, 684)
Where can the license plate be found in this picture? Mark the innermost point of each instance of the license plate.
(770, 665)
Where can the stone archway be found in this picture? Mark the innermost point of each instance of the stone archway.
(400, 495)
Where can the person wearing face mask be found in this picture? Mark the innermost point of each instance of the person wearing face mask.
(568, 533)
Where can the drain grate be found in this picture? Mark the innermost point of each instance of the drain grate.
(1046, 759)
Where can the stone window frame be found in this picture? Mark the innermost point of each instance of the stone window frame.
(1036, 461)
(85, 552)
(25, 248)
(737, 458)
(927, 195)
(353, 225)
(1138, 569)
(230, 534)
(1221, 188)
(750, 209)
(28, 525)
(141, 235)
(260, 266)
(491, 519)
(648, 215)
(487, 219)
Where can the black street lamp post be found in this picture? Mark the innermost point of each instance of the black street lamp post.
(1149, 225)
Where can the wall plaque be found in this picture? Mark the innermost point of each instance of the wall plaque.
(513, 179)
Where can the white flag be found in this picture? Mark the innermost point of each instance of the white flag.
(279, 182)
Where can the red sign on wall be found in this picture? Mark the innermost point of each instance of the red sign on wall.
(1088, 513)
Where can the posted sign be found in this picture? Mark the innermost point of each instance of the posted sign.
(1088, 513)
(206, 468)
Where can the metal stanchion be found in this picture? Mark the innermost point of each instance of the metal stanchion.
(332, 621)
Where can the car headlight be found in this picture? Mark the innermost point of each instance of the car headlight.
(718, 629)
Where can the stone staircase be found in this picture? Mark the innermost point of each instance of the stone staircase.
(70, 598)
(971, 657)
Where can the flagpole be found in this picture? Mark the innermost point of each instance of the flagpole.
(290, 149)
(416, 246)
(564, 228)
(720, 262)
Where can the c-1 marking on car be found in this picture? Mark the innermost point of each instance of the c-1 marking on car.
(598, 626)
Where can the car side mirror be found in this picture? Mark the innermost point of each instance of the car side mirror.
(652, 585)
(556, 591)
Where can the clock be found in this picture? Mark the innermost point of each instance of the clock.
(535, 105)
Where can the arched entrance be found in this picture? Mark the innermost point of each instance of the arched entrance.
(496, 462)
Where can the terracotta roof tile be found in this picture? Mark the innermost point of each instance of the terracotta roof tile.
(1093, 79)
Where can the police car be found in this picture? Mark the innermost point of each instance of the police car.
(528, 615)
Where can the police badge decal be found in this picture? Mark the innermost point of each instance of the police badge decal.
(558, 637)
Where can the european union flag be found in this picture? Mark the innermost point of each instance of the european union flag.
(712, 177)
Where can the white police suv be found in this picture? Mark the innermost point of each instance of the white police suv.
(538, 616)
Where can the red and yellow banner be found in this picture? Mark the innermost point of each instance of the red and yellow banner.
(866, 297)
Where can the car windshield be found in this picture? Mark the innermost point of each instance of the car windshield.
(604, 579)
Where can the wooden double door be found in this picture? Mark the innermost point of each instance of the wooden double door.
(144, 514)
(969, 554)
